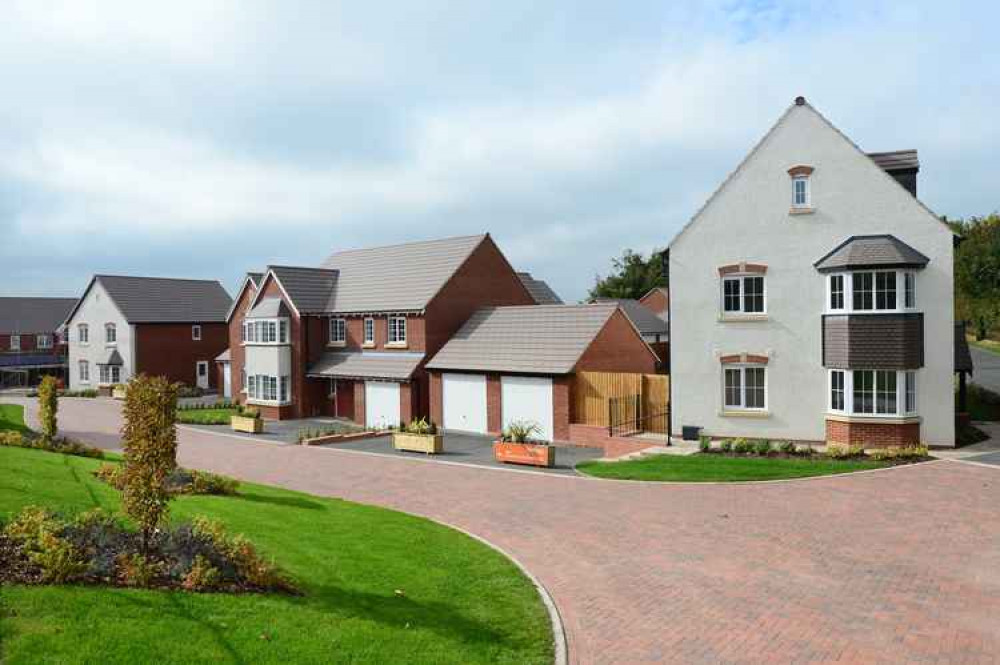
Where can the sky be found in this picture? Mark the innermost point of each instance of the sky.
(204, 139)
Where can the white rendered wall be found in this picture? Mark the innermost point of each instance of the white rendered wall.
(97, 310)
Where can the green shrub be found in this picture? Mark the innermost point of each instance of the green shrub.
(840, 451)
(36, 531)
(421, 426)
(48, 407)
(110, 474)
(80, 393)
(898, 453)
(149, 436)
(203, 576)
(63, 446)
(242, 554)
(704, 443)
(742, 446)
(203, 483)
(726, 446)
(521, 431)
(137, 570)
(786, 447)
(762, 447)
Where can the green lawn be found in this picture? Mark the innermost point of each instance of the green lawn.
(12, 419)
(206, 416)
(719, 468)
(460, 601)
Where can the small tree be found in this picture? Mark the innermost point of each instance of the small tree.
(149, 436)
(632, 276)
(48, 407)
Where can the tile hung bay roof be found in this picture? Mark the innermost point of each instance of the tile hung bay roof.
(165, 300)
(393, 366)
(645, 321)
(541, 339)
(396, 278)
(539, 290)
(112, 357)
(876, 251)
(33, 315)
(268, 308)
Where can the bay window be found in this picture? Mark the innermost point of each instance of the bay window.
(265, 331)
(744, 388)
(266, 388)
(872, 291)
(873, 392)
(110, 374)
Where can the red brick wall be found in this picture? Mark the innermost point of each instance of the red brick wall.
(494, 406)
(236, 354)
(618, 348)
(873, 435)
(598, 437)
(560, 408)
(29, 344)
(434, 387)
(656, 301)
(359, 402)
(166, 349)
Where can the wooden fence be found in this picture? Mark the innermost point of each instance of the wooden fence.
(593, 390)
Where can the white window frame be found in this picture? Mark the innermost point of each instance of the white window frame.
(906, 283)
(243, 380)
(196, 333)
(368, 331)
(905, 406)
(15, 342)
(806, 192)
(110, 334)
(43, 341)
(83, 371)
(397, 331)
(83, 334)
(267, 389)
(742, 369)
(338, 331)
(265, 332)
(842, 278)
(741, 278)
(109, 375)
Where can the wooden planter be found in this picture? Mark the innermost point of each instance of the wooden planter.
(534, 454)
(418, 443)
(248, 425)
(118, 392)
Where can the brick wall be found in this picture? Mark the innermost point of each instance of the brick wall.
(618, 348)
(598, 437)
(560, 408)
(436, 409)
(166, 349)
(359, 402)
(494, 404)
(656, 301)
(236, 353)
(873, 435)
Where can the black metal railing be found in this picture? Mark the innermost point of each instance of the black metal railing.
(626, 417)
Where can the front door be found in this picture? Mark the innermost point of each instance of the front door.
(227, 381)
(201, 372)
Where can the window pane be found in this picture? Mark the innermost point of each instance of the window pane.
(733, 392)
(885, 401)
(753, 294)
(754, 387)
(909, 280)
(731, 295)
(885, 290)
(862, 283)
(864, 392)
(837, 391)
(836, 292)
(911, 392)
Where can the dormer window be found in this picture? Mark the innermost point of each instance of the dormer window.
(801, 194)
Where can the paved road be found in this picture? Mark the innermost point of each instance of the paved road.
(891, 566)
(986, 368)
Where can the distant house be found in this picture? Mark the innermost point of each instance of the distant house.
(510, 364)
(657, 300)
(812, 298)
(31, 341)
(351, 337)
(539, 290)
(125, 326)
(654, 329)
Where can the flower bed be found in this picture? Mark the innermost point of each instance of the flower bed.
(181, 481)
(787, 449)
(42, 547)
(58, 445)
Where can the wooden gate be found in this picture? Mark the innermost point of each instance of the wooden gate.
(592, 392)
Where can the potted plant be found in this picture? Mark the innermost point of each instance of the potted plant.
(118, 391)
(247, 420)
(420, 436)
(517, 446)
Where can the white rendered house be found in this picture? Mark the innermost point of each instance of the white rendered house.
(812, 298)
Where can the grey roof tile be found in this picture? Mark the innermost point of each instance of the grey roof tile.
(875, 251)
(166, 300)
(539, 290)
(34, 315)
(308, 288)
(542, 339)
(641, 316)
(112, 357)
(396, 278)
(268, 308)
(398, 366)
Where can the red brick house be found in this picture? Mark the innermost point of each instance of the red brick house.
(351, 338)
(31, 340)
(657, 300)
(511, 364)
(123, 326)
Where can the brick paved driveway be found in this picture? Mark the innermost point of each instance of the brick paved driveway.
(894, 566)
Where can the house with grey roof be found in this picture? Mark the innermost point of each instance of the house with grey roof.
(351, 337)
(123, 326)
(508, 364)
(654, 329)
(812, 298)
(31, 341)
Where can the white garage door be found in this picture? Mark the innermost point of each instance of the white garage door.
(381, 404)
(463, 400)
(527, 398)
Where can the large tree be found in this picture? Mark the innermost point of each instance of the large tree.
(977, 273)
(632, 276)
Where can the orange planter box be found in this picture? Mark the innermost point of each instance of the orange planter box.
(533, 454)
